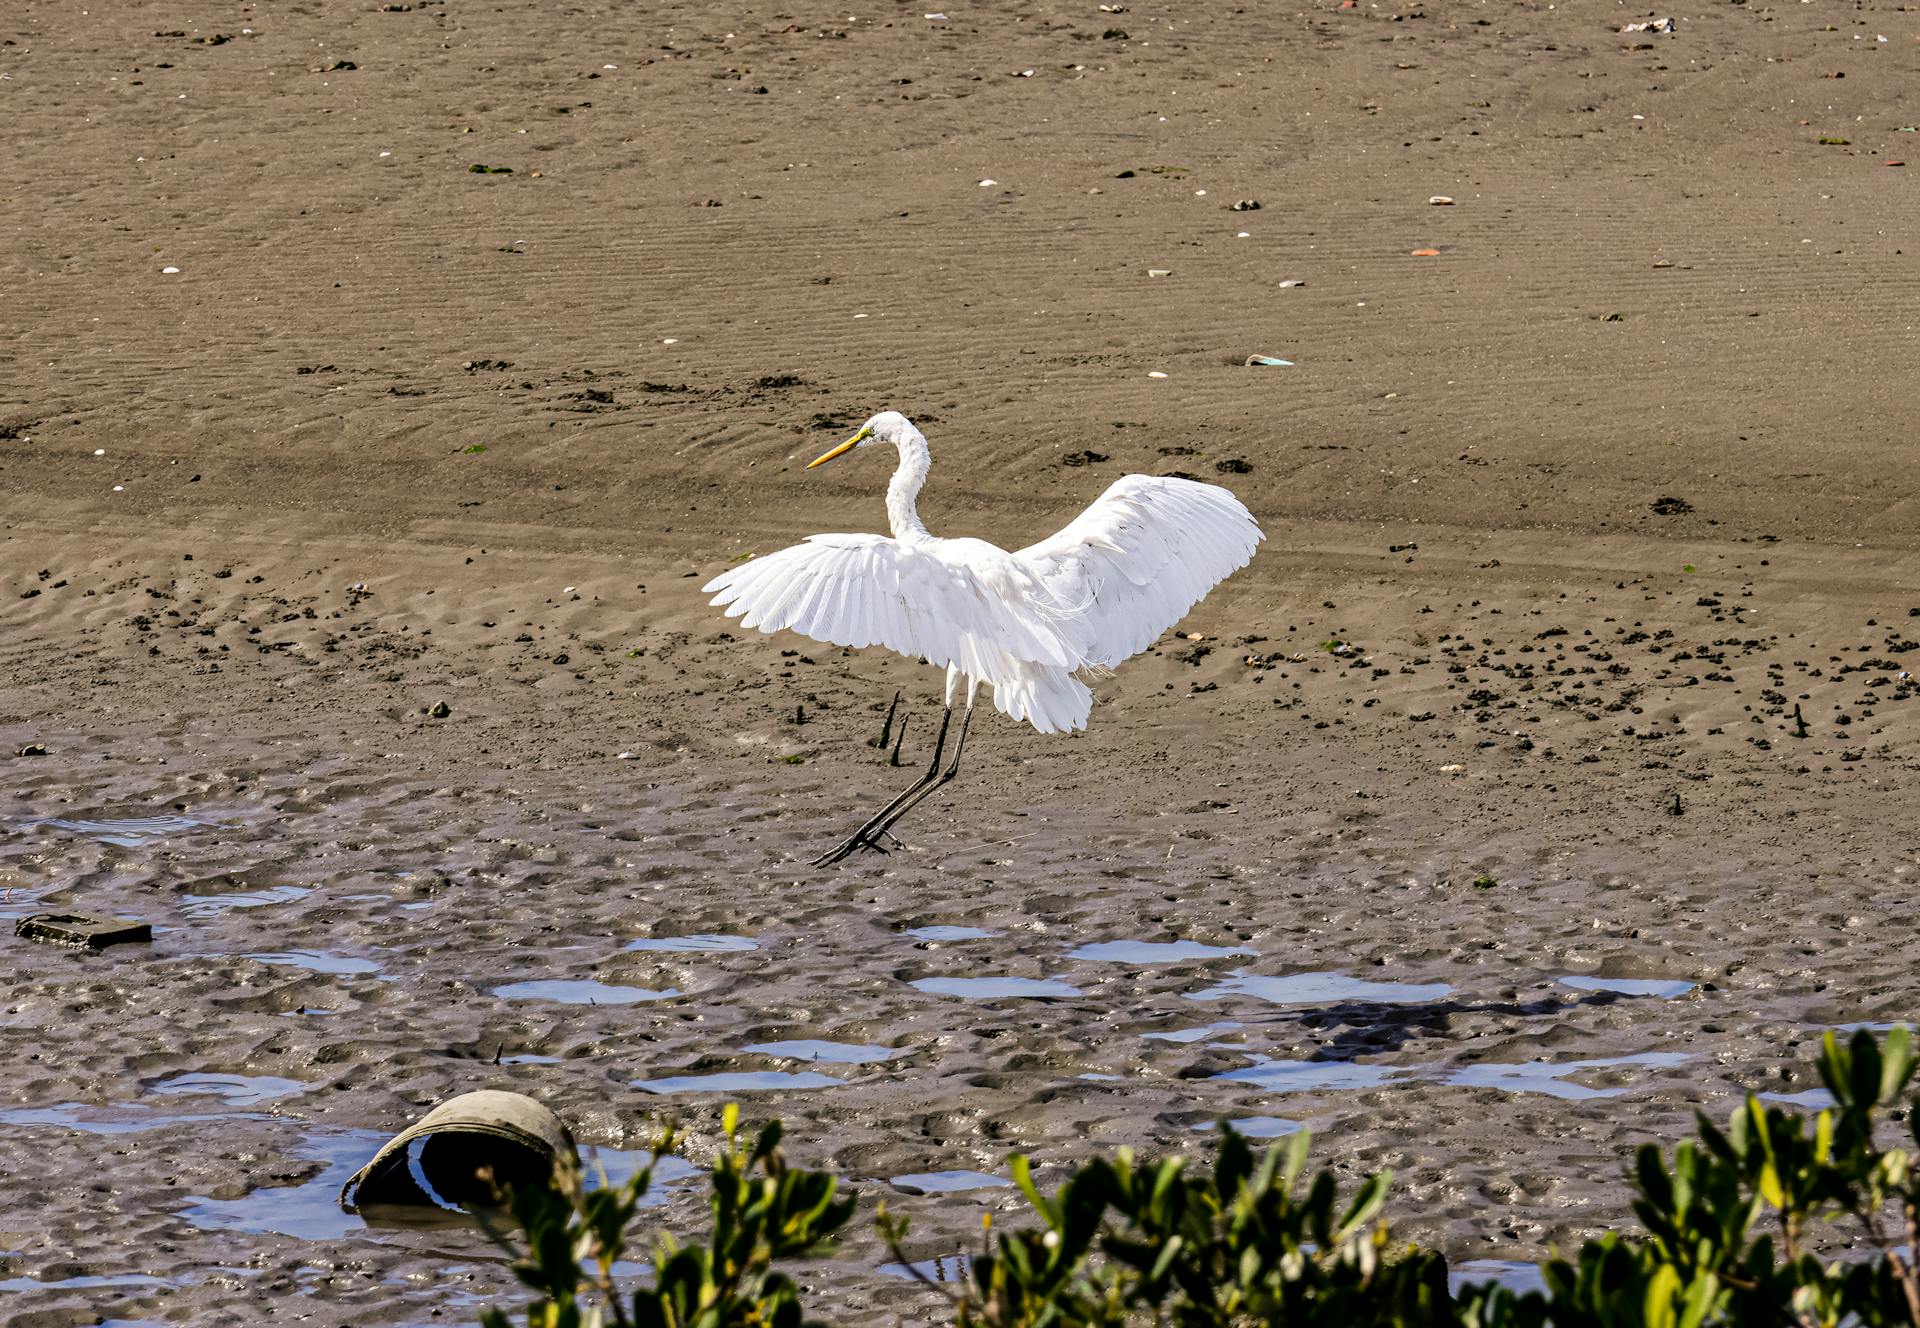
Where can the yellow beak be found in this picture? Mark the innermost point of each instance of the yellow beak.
(841, 450)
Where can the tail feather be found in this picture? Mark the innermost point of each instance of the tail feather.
(1050, 699)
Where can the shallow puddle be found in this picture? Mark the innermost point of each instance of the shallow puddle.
(86, 1283)
(1322, 989)
(620, 1165)
(1664, 988)
(739, 1081)
(695, 944)
(210, 906)
(18, 903)
(836, 1053)
(946, 1268)
(949, 1182)
(1309, 1076)
(1154, 952)
(1258, 1127)
(309, 1210)
(1813, 1099)
(1549, 1077)
(316, 961)
(580, 992)
(1516, 1275)
(126, 1119)
(1194, 1034)
(132, 832)
(236, 1090)
(942, 933)
(987, 989)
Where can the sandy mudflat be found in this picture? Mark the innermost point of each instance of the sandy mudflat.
(531, 412)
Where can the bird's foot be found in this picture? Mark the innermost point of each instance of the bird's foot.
(847, 847)
(871, 840)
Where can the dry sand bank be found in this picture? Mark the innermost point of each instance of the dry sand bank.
(1551, 685)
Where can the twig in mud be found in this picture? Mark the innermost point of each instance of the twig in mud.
(893, 1230)
(991, 843)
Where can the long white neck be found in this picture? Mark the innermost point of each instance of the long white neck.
(915, 462)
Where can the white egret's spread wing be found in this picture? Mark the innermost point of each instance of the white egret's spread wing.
(956, 602)
(1146, 551)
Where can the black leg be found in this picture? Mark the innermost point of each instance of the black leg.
(864, 836)
(899, 736)
(914, 797)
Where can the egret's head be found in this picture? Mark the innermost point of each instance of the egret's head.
(889, 426)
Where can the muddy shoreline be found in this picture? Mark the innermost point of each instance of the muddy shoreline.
(1474, 816)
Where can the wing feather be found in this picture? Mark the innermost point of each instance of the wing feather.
(1145, 552)
(956, 602)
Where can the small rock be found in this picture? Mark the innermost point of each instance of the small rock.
(33, 749)
(1440, 200)
(80, 931)
(1245, 205)
(439, 710)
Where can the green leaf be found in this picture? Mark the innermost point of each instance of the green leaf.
(1896, 1063)
(1023, 1177)
(1657, 1306)
(1295, 1156)
(1701, 1300)
(1758, 1127)
(1770, 1188)
(1172, 1250)
(1865, 1078)
(1368, 1201)
(1650, 1172)
(768, 1141)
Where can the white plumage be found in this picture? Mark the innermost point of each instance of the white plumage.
(1024, 623)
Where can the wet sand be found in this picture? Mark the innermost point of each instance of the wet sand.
(1507, 699)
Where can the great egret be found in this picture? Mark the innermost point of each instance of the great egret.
(1025, 623)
